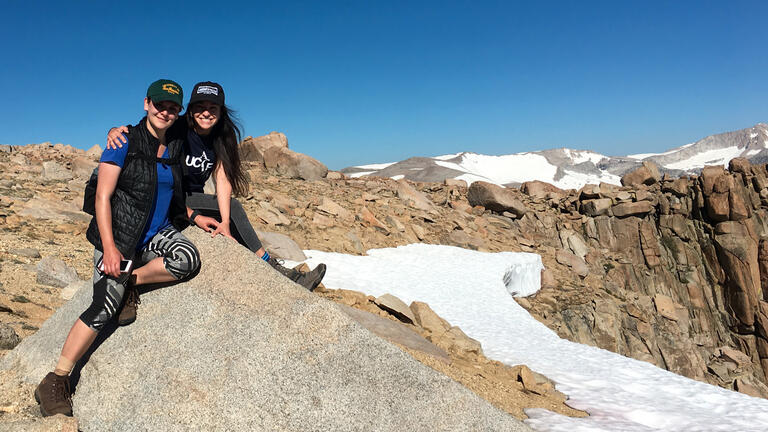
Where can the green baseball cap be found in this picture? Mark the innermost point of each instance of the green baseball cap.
(166, 90)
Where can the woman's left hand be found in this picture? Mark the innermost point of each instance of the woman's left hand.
(207, 224)
(223, 229)
(115, 137)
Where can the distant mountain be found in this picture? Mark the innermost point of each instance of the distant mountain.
(567, 168)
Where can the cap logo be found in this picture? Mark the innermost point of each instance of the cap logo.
(170, 88)
(208, 90)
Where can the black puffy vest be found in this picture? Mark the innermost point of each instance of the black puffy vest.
(136, 187)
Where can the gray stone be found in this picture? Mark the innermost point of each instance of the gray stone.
(573, 261)
(82, 167)
(395, 332)
(396, 307)
(55, 272)
(409, 195)
(239, 347)
(8, 337)
(70, 290)
(55, 171)
(281, 246)
(26, 252)
(94, 151)
(43, 207)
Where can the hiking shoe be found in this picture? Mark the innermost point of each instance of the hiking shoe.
(132, 301)
(290, 273)
(310, 280)
(54, 396)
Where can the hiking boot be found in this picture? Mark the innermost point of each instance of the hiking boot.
(290, 273)
(310, 280)
(128, 312)
(54, 396)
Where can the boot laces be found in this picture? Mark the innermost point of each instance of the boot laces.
(60, 390)
(133, 297)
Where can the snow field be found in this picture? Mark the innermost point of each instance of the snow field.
(472, 290)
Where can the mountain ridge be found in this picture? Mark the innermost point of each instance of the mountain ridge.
(571, 169)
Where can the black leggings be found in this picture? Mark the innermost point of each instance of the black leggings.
(181, 260)
(240, 226)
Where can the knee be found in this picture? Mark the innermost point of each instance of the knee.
(235, 206)
(184, 262)
(103, 307)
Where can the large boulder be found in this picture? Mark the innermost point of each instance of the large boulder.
(55, 272)
(53, 170)
(239, 347)
(252, 149)
(540, 189)
(495, 198)
(50, 206)
(281, 246)
(647, 174)
(409, 195)
(271, 151)
(283, 162)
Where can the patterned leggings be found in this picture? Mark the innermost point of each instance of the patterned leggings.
(180, 257)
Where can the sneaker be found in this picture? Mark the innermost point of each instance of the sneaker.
(132, 301)
(54, 396)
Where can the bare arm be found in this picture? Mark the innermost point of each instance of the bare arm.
(108, 174)
(223, 197)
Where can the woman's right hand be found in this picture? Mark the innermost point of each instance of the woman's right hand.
(115, 137)
(111, 261)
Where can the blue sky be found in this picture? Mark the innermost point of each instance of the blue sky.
(351, 83)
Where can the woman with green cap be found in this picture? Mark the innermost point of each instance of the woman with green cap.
(211, 148)
(138, 209)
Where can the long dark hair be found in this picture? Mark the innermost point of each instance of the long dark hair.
(226, 143)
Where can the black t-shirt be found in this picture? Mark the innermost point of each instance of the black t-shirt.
(199, 160)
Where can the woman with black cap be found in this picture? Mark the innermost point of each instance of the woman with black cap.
(211, 147)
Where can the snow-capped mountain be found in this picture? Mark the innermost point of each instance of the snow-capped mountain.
(567, 168)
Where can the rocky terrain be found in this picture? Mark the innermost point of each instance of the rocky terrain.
(664, 269)
(44, 256)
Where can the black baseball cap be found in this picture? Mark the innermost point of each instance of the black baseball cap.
(166, 90)
(207, 91)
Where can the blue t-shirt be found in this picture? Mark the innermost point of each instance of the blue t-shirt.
(158, 216)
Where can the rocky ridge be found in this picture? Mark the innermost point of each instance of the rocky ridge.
(662, 269)
(569, 168)
(33, 284)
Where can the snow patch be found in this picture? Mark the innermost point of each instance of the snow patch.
(647, 155)
(468, 289)
(375, 167)
(709, 157)
(360, 174)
